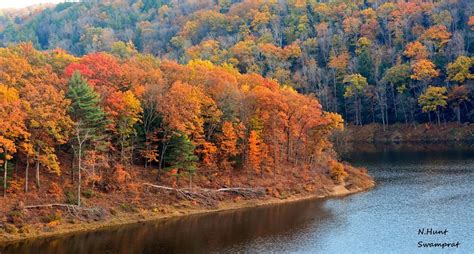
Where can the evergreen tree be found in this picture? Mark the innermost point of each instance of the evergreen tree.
(365, 66)
(89, 119)
(181, 155)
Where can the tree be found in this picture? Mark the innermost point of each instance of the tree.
(89, 119)
(102, 71)
(357, 84)
(339, 64)
(123, 50)
(254, 152)
(437, 35)
(124, 111)
(423, 70)
(460, 70)
(181, 109)
(470, 22)
(416, 51)
(458, 95)
(228, 143)
(398, 77)
(181, 155)
(433, 99)
(146, 81)
(13, 132)
(48, 123)
(365, 65)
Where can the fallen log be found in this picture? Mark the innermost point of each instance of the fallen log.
(72, 209)
(245, 192)
(50, 206)
(209, 197)
(201, 198)
(159, 186)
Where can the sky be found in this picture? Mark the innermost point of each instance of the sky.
(23, 3)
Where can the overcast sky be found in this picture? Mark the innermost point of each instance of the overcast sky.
(24, 3)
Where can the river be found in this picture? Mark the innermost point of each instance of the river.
(427, 187)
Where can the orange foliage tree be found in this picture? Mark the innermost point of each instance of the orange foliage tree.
(13, 132)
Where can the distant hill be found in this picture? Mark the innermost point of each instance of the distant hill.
(313, 46)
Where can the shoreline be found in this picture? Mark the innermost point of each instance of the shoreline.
(408, 133)
(148, 216)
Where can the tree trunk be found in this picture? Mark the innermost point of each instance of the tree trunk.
(79, 175)
(190, 181)
(358, 115)
(373, 112)
(383, 116)
(394, 100)
(437, 115)
(404, 112)
(132, 149)
(162, 158)
(93, 172)
(335, 93)
(37, 168)
(72, 166)
(458, 113)
(16, 169)
(444, 119)
(288, 140)
(26, 172)
(5, 177)
(122, 149)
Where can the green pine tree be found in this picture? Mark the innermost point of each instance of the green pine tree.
(85, 107)
(365, 66)
(181, 156)
(89, 119)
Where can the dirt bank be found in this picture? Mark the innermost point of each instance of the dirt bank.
(357, 181)
(407, 133)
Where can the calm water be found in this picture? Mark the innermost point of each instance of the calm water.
(416, 189)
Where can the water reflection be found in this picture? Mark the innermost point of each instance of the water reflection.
(194, 234)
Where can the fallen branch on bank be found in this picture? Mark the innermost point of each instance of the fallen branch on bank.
(245, 192)
(72, 209)
(209, 197)
(200, 197)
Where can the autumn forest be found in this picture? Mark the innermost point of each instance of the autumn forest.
(370, 61)
(102, 100)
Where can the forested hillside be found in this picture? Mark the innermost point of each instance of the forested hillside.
(371, 61)
(94, 118)
(89, 138)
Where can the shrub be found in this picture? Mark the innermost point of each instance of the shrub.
(336, 171)
(15, 186)
(71, 198)
(57, 216)
(55, 191)
(127, 207)
(25, 229)
(10, 228)
(88, 193)
(15, 217)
